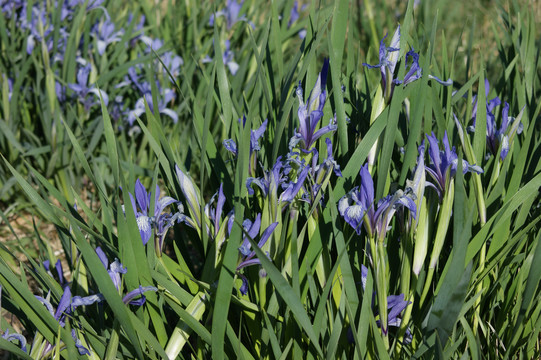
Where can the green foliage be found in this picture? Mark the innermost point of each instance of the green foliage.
(306, 297)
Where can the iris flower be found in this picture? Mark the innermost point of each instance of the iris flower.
(255, 135)
(395, 305)
(146, 221)
(388, 58)
(105, 34)
(311, 112)
(247, 254)
(164, 98)
(227, 58)
(214, 214)
(115, 269)
(82, 89)
(497, 136)
(443, 164)
(230, 13)
(318, 173)
(294, 16)
(357, 207)
(66, 306)
(11, 337)
(15, 336)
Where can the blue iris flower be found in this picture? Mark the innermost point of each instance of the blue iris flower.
(388, 58)
(497, 137)
(145, 220)
(230, 13)
(82, 89)
(395, 305)
(443, 164)
(357, 207)
(248, 258)
(115, 269)
(311, 112)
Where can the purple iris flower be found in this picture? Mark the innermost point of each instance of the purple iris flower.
(15, 336)
(443, 164)
(328, 163)
(66, 306)
(166, 96)
(357, 207)
(152, 44)
(255, 135)
(395, 305)
(388, 58)
(215, 213)
(311, 112)
(271, 180)
(294, 16)
(60, 91)
(114, 270)
(146, 221)
(137, 30)
(11, 337)
(278, 178)
(105, 34)
(41, 28)
(292, 188)
(496, 136)
(59, 270)
(131, 297)
(414, 70)
(227, 58)
(490, 105)
(82, 90)
(173, 63)
(247, 254)
(230, 13)
(9, 7)
(319, 172)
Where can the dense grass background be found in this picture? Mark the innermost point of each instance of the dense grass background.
(481, 301)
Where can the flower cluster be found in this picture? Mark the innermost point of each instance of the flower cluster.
(509, 126)
(38, 23)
